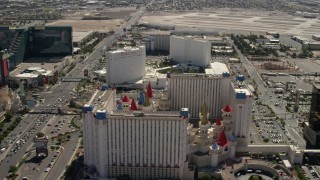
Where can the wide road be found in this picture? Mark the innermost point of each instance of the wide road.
(61, 90)
(10, 158)
(69, 150)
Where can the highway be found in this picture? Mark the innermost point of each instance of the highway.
(10, 158)
(63, 91)
(65, 158)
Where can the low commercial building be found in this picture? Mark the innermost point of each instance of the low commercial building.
(38, 71)
(300, 39)
(222, 50)
(32, 77)
(316, 37)
(274, 34)
(81, 37)
(313, 45)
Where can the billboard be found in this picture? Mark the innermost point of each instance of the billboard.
(5, 67)
(4, 73)
(86, 72)
(50, 40)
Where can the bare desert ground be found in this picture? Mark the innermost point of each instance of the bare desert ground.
(118, 15)
(233, 21)
(89, 25)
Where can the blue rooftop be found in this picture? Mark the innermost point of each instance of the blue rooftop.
(141, 98)
(104, 87)
(119, 106)
(214, 146)
(232, 138)
(241, 95)
(87, 108)
(101, 114)
(240, 78)
(184, 112)
(225, 74)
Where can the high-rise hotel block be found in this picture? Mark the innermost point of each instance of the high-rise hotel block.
(125, 65)
(135, 139)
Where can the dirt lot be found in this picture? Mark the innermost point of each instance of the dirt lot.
(118, 15)
(90, 25)
(235, 21)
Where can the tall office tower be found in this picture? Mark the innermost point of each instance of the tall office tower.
(192, 90)
(311, 130)
(122, 137)
(125, 65)
(189, 50)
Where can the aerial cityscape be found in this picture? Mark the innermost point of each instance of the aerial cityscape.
(160, 89)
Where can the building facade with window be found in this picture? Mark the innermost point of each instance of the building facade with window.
(124, 137)
(125, 65)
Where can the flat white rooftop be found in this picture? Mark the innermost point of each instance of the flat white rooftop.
(217, 68)
(248, 93)
(125, 49)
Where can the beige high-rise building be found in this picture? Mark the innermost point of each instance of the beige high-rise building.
(126, 138)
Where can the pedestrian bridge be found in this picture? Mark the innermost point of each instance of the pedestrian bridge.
(64, 111)
(71, 79)
(312, 151)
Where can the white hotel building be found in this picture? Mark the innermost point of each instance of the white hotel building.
(150, 141)
(126, 65)
(144, 144)
(189, 50)
(192, 90)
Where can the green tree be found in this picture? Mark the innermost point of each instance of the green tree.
(7, 116)
(40, 134)
(18, 119)
(294, 55)
(59, 139)
(12, 169)
(266, 140)
(205, 176)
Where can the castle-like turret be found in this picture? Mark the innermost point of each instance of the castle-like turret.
(164, 103)
(227, 117)
(204, 115)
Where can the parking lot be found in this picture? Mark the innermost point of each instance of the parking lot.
(272, 131)
(310, 172)
(259, 109)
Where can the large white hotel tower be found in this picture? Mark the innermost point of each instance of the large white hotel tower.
(126, 65)
(125, 137)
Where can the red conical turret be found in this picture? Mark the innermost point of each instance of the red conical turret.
(149, 91)
(227, 108)
(133, 106)
(126, 99)
(218, 122)
(222, 140)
